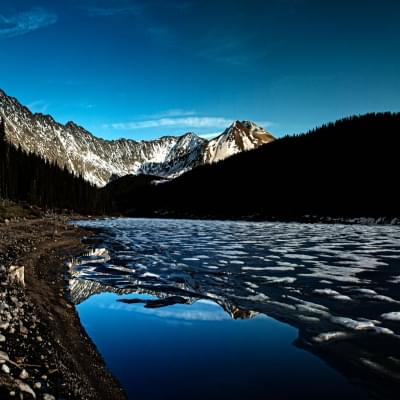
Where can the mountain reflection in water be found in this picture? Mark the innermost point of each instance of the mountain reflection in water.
(337, 284)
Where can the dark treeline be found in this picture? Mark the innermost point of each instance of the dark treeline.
(349, 168)
(29, 178)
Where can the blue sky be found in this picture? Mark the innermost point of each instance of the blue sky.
(143, 69)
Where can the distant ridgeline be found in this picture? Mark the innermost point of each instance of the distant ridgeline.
(30, 178)
(350, 168)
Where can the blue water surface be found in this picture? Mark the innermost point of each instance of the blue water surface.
(198, 352)
(207, 310)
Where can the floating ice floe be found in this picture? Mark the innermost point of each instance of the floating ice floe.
(149, 275)
(307, 318)
(277, 279)
(260, 297)
(333, 294)
(383, 370)
(308, 303)
(279, 268)
(373, 295)
(364, 291)
(392, 316)
(304, 308)
(251, 285)
(387, 299)
(352, 323)
(395, 279)
(282, 305)
(329, 336)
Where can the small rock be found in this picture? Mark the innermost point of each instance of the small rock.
(24, 374)
(39, 339)
(23, 330)
(2, 338)
(5, 368)
(4, 325)
(12, 394)
(3, 357)
(23, 387)
(37, 385)
(16, 274)
(47, 396)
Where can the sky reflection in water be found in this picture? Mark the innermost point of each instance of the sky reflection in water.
(334, 286)
(197, 351)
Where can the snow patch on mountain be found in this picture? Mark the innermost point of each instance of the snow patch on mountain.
(99, 160)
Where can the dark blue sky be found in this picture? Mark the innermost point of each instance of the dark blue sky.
(143, 69)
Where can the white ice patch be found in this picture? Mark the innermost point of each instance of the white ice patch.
(328, 292)
(364, 291)
(301, 256)
(308, 309)
(288, 264)
(352, 323)
(279, 268)
(260, 297)
(330, 336)
(252, 285)
(380, 368)
(277, 279)
(333, 294)
(282, 305)
(392, 316)
(395, 279)
(149, 275)
(307, 318)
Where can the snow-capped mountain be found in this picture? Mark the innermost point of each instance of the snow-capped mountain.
(99, 160)
(186, 154)
(240, 136)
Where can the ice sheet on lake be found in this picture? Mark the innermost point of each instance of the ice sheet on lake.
(335, 283)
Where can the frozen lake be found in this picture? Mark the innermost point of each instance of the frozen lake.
(210, 309)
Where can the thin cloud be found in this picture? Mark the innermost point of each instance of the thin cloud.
(175, 112)
(112, 11)
(181, 122)
(25, 22)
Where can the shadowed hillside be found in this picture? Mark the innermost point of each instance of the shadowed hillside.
(349, 168)
(29, 178)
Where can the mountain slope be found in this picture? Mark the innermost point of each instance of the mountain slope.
(98, 160)
(240, 136)
(346, 169)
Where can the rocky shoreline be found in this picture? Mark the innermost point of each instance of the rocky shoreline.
(44, 351)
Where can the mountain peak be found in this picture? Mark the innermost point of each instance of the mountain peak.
(97, 160)
(240, 136)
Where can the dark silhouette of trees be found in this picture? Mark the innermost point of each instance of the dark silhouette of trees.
(349, 168)
(29, 178)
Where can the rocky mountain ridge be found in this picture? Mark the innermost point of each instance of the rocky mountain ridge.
(99, 160)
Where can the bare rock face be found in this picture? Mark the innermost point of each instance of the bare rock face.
(240, 136)
(16, 275)
(99, 161)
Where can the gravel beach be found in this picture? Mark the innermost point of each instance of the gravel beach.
(44, 351)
